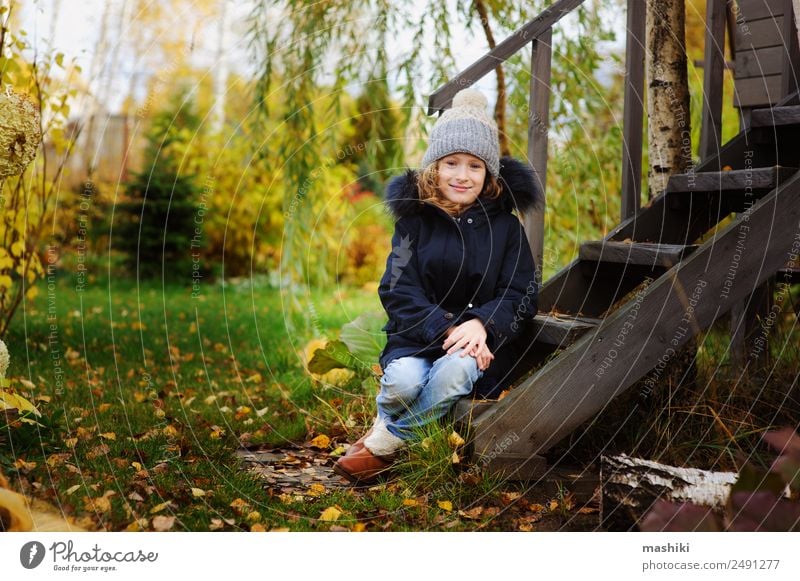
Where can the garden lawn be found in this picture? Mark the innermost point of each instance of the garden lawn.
(147, 392)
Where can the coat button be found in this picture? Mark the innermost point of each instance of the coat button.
(469, 220)
(448, 316)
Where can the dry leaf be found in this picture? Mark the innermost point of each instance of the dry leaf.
(240, 506)
(160, 507)
(359, 527)
(445, 505)
(198, 492)
(108, 436)
(316, 489)
(322, 442)
(456, 440)
(280, 530)
(410, 502)
(472, 513)
(454, 458)
(508, 497)
(163, 523)
(553, 505)
(330, 514)
(258, 528)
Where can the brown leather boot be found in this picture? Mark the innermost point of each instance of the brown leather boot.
(361, 466)
(358, 444)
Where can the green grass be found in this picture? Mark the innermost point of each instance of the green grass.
(158, 389)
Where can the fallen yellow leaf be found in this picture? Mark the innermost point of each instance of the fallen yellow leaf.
(445, 505)
(410, 502)
(454, 458)
(359, 527)
(330, 514)
(456, 440)
(257, 528)
(322, 442)
(159, 507)
(316, 489)
(108, 436)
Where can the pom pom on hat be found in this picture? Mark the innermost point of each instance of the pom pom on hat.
(466, 128)
(470, 98)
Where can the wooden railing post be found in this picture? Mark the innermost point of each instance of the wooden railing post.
(634, 110)
(713, 70)
(538, 125)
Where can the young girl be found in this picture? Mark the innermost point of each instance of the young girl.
(459, 285)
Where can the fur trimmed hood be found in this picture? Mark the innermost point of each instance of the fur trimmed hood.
(520, 190)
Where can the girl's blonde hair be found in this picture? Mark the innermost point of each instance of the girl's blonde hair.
(429, 193)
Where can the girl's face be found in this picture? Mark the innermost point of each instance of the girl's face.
(461, 177)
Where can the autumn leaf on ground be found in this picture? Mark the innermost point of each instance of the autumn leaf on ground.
(445, 505)
(163, 523)
(410, 502)
(330, 514)
(456, 440)
(508, 497)
(240, 506)
(472, 513)
(322, 442)
(316, 489)
(198, 492)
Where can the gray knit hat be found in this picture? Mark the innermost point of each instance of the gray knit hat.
(465, 128)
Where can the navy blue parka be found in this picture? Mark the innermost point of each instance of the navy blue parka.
(445, 270)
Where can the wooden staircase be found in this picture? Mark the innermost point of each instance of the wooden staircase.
(628, 303)
(610, 336)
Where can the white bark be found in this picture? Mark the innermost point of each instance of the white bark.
(220, 71)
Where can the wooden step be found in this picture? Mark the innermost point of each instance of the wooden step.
(634, 253)
(761, 178)
(788, 275)
(775, 116)
(561, 330)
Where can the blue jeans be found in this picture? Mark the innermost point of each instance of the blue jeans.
(416, 391)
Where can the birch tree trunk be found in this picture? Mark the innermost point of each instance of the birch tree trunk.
(669, 126)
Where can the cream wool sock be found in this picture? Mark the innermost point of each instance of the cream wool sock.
(381, 442)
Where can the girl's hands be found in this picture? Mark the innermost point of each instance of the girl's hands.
(471, 337)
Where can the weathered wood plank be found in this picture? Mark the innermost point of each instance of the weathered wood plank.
(738, 179)
(633, 111)
(746, 328)
(561, 330)
(636, 253)
(759, 62)
(443, 97)
(791, 58)
(775, 116)
(577, 384)
(758, 91)
(755, 9)
(713, 69)
(538, 125)
(760, 33)
(788, 275)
